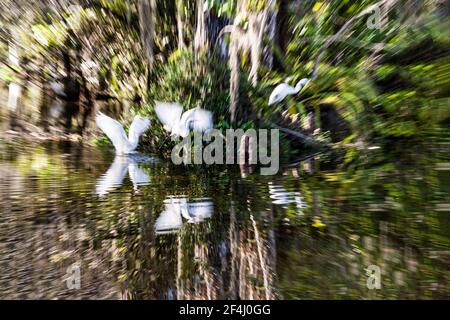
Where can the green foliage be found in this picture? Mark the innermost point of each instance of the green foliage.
(192, 83)
(227, 8)
(401, 93)
(390, 82)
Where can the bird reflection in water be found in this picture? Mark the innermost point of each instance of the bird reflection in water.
(177, 208)
(113, 178)
(281, 196)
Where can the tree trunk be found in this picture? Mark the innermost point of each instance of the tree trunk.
(234, 76)
(147, 17)
(88, 103)
(15, 87)
(281, 33)
(72, 91)
(44, 106)
(201, 37)
(180, 26)
(257, 26)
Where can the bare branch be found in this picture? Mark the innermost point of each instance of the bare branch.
(307, 139)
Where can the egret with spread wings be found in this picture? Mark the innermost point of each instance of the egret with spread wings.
(115, 132)
(178, 123)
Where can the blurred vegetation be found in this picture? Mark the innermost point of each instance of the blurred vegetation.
(385, 76)
(379, 96)
(382, 208)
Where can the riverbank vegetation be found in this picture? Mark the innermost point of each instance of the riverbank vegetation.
(364, 175)
(378, 69)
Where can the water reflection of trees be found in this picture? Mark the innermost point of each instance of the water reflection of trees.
(375, 214)
(250, 248)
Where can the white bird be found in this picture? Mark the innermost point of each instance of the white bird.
(178, 123)
(113, 178)
(170, 220)
(115, 132)
(197, 211)
(283, 90)
(176, 208)
(281, 196)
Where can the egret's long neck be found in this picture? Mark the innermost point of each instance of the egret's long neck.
(298, 87)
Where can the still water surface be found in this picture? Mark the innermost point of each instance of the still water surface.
(140, 228)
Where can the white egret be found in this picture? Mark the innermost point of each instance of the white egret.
(178, 123)
(113, 178)
(283, 90)
(115, 132)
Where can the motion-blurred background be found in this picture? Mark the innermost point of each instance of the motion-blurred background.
(376, 106)
(378, 69)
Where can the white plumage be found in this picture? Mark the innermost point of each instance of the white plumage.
(178, 123)
(115, 132)
(170, 219)
(283, 90)
(176, 208)
(281, 196)
(197, 211)
(113, 178)
(137, 176)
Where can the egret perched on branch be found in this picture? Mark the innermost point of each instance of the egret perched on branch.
(283, 90)
(178, 123)
(115, 132)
